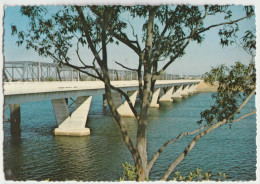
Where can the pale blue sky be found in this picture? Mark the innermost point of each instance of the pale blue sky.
(198, 60)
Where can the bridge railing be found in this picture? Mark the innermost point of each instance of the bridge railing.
(40, 71)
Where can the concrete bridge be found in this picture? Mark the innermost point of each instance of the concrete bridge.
(74, 124)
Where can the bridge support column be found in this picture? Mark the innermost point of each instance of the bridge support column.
(15, 119)
(74, 124)
(167, 97)
(193, 88)
(185, 91)
(177, 94)
(155, 96)
(123, 108)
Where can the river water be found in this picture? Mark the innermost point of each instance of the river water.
(39, 155)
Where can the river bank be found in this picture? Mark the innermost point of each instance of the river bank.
(206, 87)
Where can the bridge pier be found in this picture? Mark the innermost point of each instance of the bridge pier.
(185, 91)
(167, 97)
(177, 94)
(195, 88)
(74, 124)
(15, 119)
(192, 89)
(155, 97)
(123, 108)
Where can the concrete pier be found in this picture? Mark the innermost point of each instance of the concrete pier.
(185, 91)
(167, 97)
(61, 110)
(15, 118)
(73, 125)
(192, 89)
(154, 101)
(195, 88)
(177, 94)
(123, 108)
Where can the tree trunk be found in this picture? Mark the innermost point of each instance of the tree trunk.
(143, 173)
(142, 128)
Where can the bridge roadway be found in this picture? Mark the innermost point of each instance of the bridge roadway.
(73, 124)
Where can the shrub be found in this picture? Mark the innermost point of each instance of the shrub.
(130, 174)
(198, 176)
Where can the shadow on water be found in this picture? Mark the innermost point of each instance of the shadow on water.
(15, 142)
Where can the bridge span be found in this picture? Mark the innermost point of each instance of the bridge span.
(74, 124)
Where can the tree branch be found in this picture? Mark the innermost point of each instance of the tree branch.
(224, 23)
(126, 41)
(249, 114)
(215, 25)
(83, 71)
(125, 66)
(173, 58)
(182, 49)
(135, 35)
(196, 138)
(77, 51)
(157, 154)
(87, 35)
(73, 66)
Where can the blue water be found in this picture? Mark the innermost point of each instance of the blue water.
(39, 155)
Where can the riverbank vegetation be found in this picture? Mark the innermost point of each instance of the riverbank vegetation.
(130, 174)
(166, 32)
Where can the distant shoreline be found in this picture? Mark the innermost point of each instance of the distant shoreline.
(206, 87)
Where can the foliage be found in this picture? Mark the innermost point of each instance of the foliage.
(197, 175)
(235, 84)
(129, 172)
(50, 79)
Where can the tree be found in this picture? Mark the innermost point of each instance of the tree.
(167, 31)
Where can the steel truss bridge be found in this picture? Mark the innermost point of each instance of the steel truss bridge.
(42, 71)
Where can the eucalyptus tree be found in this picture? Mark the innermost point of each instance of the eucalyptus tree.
(167, 31)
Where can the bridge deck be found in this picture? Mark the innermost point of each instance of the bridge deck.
(20, 92)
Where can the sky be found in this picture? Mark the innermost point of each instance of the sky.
(199, 58)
